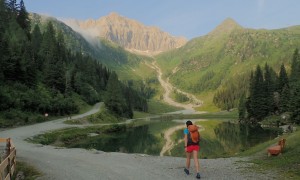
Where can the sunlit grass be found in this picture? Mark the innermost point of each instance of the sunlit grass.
(208, 105)
(158, 107)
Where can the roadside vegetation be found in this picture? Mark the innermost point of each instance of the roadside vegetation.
(26, 171)
(103, 116)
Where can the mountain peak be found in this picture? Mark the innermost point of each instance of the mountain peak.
(227, 26)
(130, 34)
(113, 15)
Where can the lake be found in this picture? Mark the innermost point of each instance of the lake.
(219, 139)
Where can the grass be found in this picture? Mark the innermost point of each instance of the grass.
(155, 107)
(139, 114)
(137, 72)
(159, 107)
(67, 136)
(223, 115)
(104, 116)
(208, 105)
(29, 172)
(286, 165)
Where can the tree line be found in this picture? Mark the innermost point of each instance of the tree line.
(227, 97)
(272, 94)
(38, 74)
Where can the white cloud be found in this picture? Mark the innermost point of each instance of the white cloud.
(90, 34)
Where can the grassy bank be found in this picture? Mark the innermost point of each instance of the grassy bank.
(27, 171)
(156, 107)
(103, 116)
(224, 115)
(287, 165)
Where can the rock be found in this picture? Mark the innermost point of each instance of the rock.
(20, 176)
(128, 33)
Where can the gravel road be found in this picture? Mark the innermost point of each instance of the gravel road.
(79, 164)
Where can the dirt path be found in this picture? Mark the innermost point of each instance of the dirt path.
(168, 87)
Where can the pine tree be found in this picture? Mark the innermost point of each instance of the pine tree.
(3, 18)
(12, 7)
(242, 108)
(257, 96)
(284, 100)
(54, 69)
(36, 41)
(3, 41)
(295, 69)
(269, 87)
(283, 90)
(114, 99)
(295, 86)
(283, 79)
(23, 18)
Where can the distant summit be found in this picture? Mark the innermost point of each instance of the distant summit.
(227, 26)
(128, 33)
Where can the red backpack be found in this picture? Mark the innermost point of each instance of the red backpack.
(195, 136)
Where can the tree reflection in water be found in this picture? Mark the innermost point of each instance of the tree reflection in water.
(238, 137)
(131, 140)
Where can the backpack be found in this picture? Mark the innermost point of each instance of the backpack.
(194, 133)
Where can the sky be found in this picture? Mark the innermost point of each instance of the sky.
(188, 18)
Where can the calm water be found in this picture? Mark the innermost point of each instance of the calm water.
(148, 139)
(233, 138)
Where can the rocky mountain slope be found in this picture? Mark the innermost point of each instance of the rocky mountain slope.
(128, 33)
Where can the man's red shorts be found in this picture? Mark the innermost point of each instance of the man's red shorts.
(192, 148)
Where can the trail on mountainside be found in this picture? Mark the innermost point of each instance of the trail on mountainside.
(168, 87)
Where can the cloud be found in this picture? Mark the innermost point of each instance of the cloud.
(90, 34)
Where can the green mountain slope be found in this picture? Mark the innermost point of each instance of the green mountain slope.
(109, 54)
(223, 59)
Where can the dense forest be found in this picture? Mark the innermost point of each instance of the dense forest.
(272, 94)
(39, 75)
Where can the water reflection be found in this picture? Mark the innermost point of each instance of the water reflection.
(226, 139)
(132, 140)
(233, 138)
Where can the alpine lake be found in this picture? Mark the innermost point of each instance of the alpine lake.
(219, 138)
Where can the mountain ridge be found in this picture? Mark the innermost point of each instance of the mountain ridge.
(130, 34)
(222, 60)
